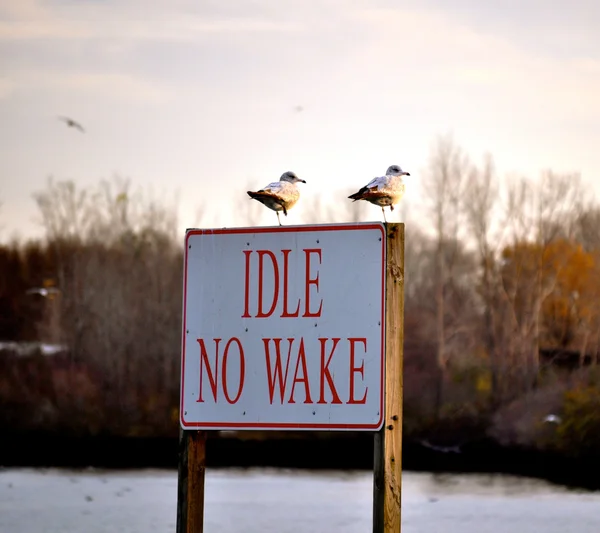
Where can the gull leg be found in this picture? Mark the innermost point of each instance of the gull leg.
(278, 219)
(383, 211)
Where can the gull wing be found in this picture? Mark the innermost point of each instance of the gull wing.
(370, 190)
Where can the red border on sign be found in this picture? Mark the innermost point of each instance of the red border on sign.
(284, 425)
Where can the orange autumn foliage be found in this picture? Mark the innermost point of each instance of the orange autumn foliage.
(566, 279)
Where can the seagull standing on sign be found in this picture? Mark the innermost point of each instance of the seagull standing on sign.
(280, 195)
(384, 191)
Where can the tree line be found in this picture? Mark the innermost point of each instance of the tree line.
(502, 324)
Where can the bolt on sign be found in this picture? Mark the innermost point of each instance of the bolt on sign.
(283, 328)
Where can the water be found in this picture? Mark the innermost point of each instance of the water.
(268, 500)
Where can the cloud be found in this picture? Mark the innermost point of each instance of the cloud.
(127, 20)
(463, 66)
(126, 86)
(7, 87)
(447, 54)
(115, 85)
(543, 28)
(384, 79)
(39, 29)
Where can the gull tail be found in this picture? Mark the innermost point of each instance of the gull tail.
(358, 195)
(269, 199)
(262, 195)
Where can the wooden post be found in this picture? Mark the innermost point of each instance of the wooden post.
(387, 479)
(190, 488)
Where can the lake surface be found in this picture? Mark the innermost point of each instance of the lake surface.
(271, 500)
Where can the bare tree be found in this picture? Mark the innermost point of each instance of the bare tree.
(316, 210)
(538, 214)
(444, 185)
(339, 208)
(587, 228)
(119, 274)
(65, 210)
(480, 203)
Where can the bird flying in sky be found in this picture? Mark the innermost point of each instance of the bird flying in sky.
(384, 191)
(280, 195)
(72, 123)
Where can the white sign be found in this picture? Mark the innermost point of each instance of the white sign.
(283, 328)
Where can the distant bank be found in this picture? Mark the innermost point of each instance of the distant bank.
(336, 451)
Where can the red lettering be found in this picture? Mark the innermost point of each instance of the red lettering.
(247, 286)
(325, 374)
(276, 375)
(242, 370)
(309, 282)
(301, 359)
(211, 378)
(286, 313)
(261, 254)
(356, 369)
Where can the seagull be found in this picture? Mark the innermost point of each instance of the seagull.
(280, 195)
(46, 292)
(442, 449)
(72, 123)
(385, 190)
(552, 419)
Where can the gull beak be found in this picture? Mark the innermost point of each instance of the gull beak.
(406, 173)
(303, 181)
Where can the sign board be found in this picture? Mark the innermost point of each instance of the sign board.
(283, 328)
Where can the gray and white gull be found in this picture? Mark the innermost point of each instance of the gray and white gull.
(384, 191)
(280, 195)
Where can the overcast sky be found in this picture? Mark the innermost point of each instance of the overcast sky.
(193, 97)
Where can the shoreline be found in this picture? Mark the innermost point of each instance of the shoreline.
(334, 452)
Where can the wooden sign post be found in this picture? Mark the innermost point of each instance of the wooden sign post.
(190, 485)
(387, 464)
(293, 328)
